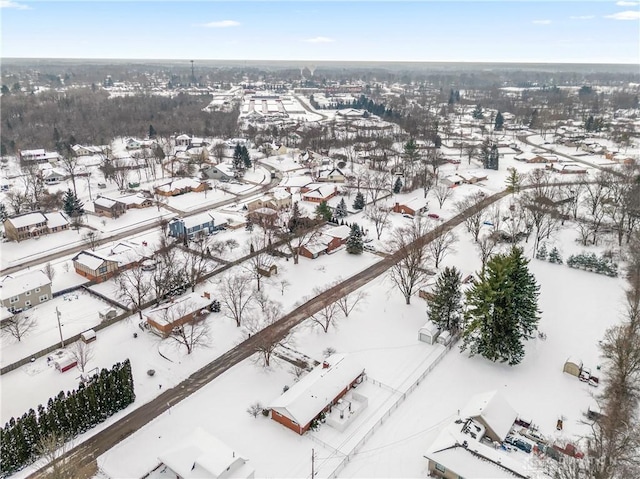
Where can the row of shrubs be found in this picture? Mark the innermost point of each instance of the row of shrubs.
(584, 261)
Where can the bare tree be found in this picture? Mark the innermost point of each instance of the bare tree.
(191, 333)
(33, 184)
(49, 271)
(486, 245)
(70, 166)
(52, 449)
(91, 239)
(82, 353)
(349, 302)
(474, 217)
(379, 216)
(284, 284)
(266, 343)
(328, 315)
(378, 183)
(236, 296)
(18, 201)
(441, 246)
(120, 173)
(133, 286)
(18, 325)
(295, 231)
(260, 261)
(408, 274)
(196, 262)
(442, 193)
(218, 151)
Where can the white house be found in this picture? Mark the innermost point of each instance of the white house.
(203, 456)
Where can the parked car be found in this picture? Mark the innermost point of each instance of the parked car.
(433, 216)
(369, 248)
(102, 185)
(148, 265)
(594, 381)
(408, 216)
(585, 375)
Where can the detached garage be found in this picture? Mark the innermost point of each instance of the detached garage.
(428, 333)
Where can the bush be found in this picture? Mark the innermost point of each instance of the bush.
(255, 409)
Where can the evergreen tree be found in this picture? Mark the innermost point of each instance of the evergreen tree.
(152, 131)
(72, 206)
(238, 162)
(3, 212)
(502, 309)
(323, 211)
(452, 97)
(246, 157)
(554, 256)
(355, 244)
(499, 123)
(477, 112)
(397, 186)
(493, 159)
(541, 254)
(514, 181)
(358, 203)
(445, 306)
(341, 209)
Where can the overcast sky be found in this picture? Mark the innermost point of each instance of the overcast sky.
(585, 31)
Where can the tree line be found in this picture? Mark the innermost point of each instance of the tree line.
(66, 415)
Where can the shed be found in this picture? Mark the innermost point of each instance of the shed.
(107, 313)
(88, 336)
(428, 333)
(63, 360)
(572, 366)
(444, 338)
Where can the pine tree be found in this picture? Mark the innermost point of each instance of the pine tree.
(152, 131)
(323, 211)
(514, 181)
(541, 254)
(445, 306)
(358, 203)
(477, 112)
(341, 209)
(355, 244)
(554, 256)
(72, 206)
(3, 212)
(499, 123)
(238, 162)
(246, 157)
(397, 186)
(502, 309)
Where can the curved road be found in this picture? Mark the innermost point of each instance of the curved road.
(83, 455)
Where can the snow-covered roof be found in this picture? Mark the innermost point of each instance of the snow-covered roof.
(28, 220)
(104, 202)
(429, 327)
(197, 220)
(454, 179)
(91, 261)
(178, 308)
(203, 456)
(495, 411)
(308, 397)
(55, 220)
(320, 192)
(134, 199)
(416, 204)
(12, 286)
(341, 232)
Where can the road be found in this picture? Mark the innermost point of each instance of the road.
(139, 229)
(83, 455)
(306, 107)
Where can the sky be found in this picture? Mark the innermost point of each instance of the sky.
(543, 31)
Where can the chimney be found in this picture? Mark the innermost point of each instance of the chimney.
(206, 295)
(325, 365)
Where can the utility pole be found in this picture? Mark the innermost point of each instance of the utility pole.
(313, 457)
(59, 328)
(193, 75)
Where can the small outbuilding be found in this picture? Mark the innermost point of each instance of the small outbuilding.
(88, 336)
(429, 333)
(444, 338)
(572, 366)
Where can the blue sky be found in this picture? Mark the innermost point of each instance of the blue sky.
(475, 31)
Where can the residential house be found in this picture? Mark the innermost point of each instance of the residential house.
(181, 186)
(278, 199)
(103, 263)
(316, 392)
(54, 176)
(133, 144)
(429, 333)
(335, 175)
(472, 177)
(196, 225)
(413, 207)
(221, 172)
(87, 150)
(493, 411)
(203, 456)
(108, 207)
(135, 200)
(178, 311)
(318, 194)
(25, 291)
(567, 169)
(337, 236)
(183, 140)
(38, 156)
(530, 158)
(266, 218)
(453, 180)
(34, 224)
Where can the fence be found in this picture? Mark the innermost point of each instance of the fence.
(387, 414)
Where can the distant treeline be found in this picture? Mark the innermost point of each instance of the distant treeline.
(90, 117)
